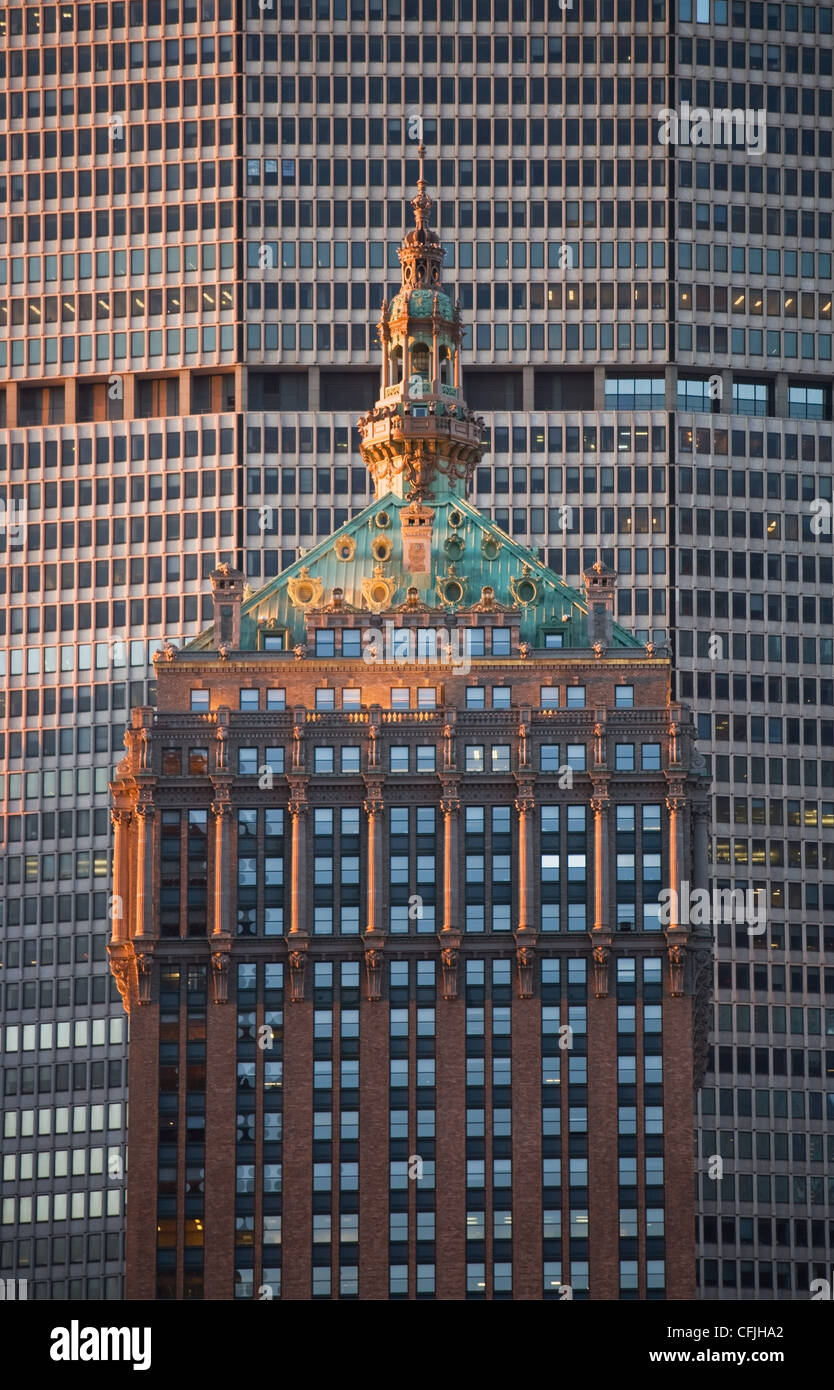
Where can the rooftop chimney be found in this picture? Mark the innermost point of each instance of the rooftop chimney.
(227, 593)
(600, 584)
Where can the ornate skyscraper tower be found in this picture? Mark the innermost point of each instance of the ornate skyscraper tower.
(420, 779)
(421, 439)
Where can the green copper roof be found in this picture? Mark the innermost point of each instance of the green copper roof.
(421, 303)
(474, 551)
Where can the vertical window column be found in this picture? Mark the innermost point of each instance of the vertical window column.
(271, 1035)
(349, 1152)
(246, 1153)
(551, 1113)
(168, 1151)
(195, 1131)
(399, 1130)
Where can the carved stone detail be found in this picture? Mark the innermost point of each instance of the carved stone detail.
(373, 973)
(525, 960)
(677, 969)
(144, 972)
(297, 963)
(602, 962)
(121, 971)
(220, 976)
(449, 957)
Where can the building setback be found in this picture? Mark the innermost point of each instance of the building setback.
(408, 1018)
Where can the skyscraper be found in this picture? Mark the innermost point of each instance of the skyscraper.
(389, 912)
(196, 247)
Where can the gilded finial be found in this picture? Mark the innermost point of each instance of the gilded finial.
(422, 203)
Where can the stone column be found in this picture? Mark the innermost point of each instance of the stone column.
(121, 821)
(525, 806)
(602, 907)
(144, 870)
(222, 812)
(450, 808)
(435, 359)
(298, 813)
(675, 804)
(700, 866)
(374, 811)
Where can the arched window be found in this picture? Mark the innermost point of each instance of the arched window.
(420, 359)
(397, 364)
(445, 366)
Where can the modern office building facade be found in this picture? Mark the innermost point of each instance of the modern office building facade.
(201, 206)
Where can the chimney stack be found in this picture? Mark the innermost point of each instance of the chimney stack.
(227, 592)
(600, 584)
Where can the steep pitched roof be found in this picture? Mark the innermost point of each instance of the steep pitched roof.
(475, 552)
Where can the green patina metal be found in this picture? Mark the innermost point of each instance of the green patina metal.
(429, 463)
(420, 304)
(481, 553)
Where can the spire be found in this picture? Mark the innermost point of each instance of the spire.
(420, 437)
(422, 204)
(421, 254)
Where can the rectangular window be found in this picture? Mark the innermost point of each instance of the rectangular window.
(474, 757)
(624, 757)
(501, 757)
(399, 757)
(651, 757)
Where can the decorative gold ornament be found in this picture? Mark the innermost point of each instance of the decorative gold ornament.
(345, 548)
(525, 589)
(382, 520)
(382, 548)
(378, 591)
(451, 587)
(304, 590)
(491, 547)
